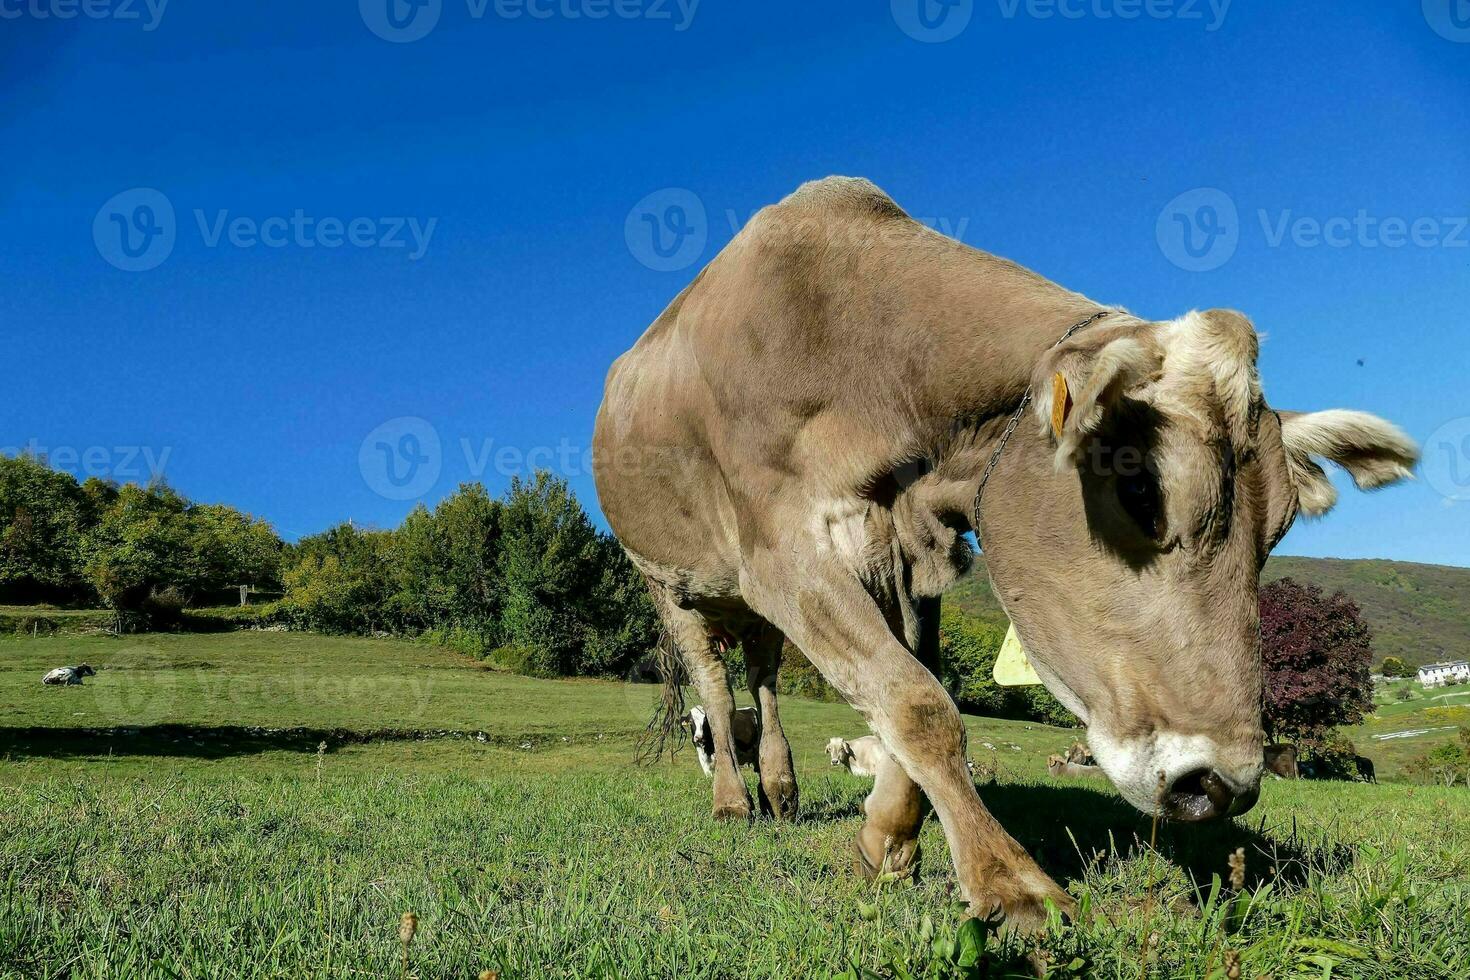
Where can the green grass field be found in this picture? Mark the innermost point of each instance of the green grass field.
(178, 816)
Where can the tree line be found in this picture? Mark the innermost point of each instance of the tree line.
(526, 577)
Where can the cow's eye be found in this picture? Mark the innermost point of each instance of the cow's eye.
(1139, 495)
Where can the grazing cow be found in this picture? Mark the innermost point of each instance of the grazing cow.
(1281, 761)
(861, 756)
(66, 676)
(1063, 768)
(745, 724)
(1366, 772)
(800, 442)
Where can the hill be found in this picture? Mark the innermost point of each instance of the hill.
(1418, 612)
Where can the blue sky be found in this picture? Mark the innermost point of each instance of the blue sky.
(369, 228)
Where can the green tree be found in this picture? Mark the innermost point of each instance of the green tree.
(573, 603)
(230, 548)
(968, 647)
(43, 516)
(469, 530)
(548, 564)
(1395, 667)
(139, 547)
(1445, 763)
(341, 581)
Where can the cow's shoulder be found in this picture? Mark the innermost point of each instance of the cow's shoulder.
(852, 195)
(820, 213)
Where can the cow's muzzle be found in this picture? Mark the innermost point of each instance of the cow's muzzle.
(1205, 794)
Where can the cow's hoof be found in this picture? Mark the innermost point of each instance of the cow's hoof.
(1025, 914)
(732, 812)
(896, 862)
(782, 805)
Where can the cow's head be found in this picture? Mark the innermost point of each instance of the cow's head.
(84, 670)
(1127, 542)
(838, 751)
(696, 725)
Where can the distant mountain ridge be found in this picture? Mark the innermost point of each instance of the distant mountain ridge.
(1420, 613)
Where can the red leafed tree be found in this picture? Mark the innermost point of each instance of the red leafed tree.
(1317, 652)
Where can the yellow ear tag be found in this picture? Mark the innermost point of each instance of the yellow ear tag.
(1012, 669)
(1061, 403)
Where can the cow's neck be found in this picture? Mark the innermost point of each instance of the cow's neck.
(988, 356)
(987, 345)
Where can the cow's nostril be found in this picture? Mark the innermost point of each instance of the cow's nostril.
(1200, 794)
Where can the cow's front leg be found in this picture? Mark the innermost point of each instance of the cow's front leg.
(778, 795)
(894, 811)
(700, 652)
(830, 616)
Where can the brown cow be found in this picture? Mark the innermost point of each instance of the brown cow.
(797, 446)
(1281, 761)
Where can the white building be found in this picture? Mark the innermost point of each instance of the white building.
(1436, 675)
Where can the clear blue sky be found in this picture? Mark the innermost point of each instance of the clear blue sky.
(522, 146)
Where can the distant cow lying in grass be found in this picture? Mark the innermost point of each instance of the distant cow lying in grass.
(68, 675)
(863, 756)
(745, 727)
(860, 756)
(1059, 767)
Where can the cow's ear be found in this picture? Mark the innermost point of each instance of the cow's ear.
(1078, 383)
(1375, 452)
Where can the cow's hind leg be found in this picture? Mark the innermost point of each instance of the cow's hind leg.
(701, 653)
(778, 796)
(827, 613)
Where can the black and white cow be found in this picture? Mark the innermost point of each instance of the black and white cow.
(64, 676)
(745, 726)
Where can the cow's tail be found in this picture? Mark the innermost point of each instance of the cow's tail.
(662, 731)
